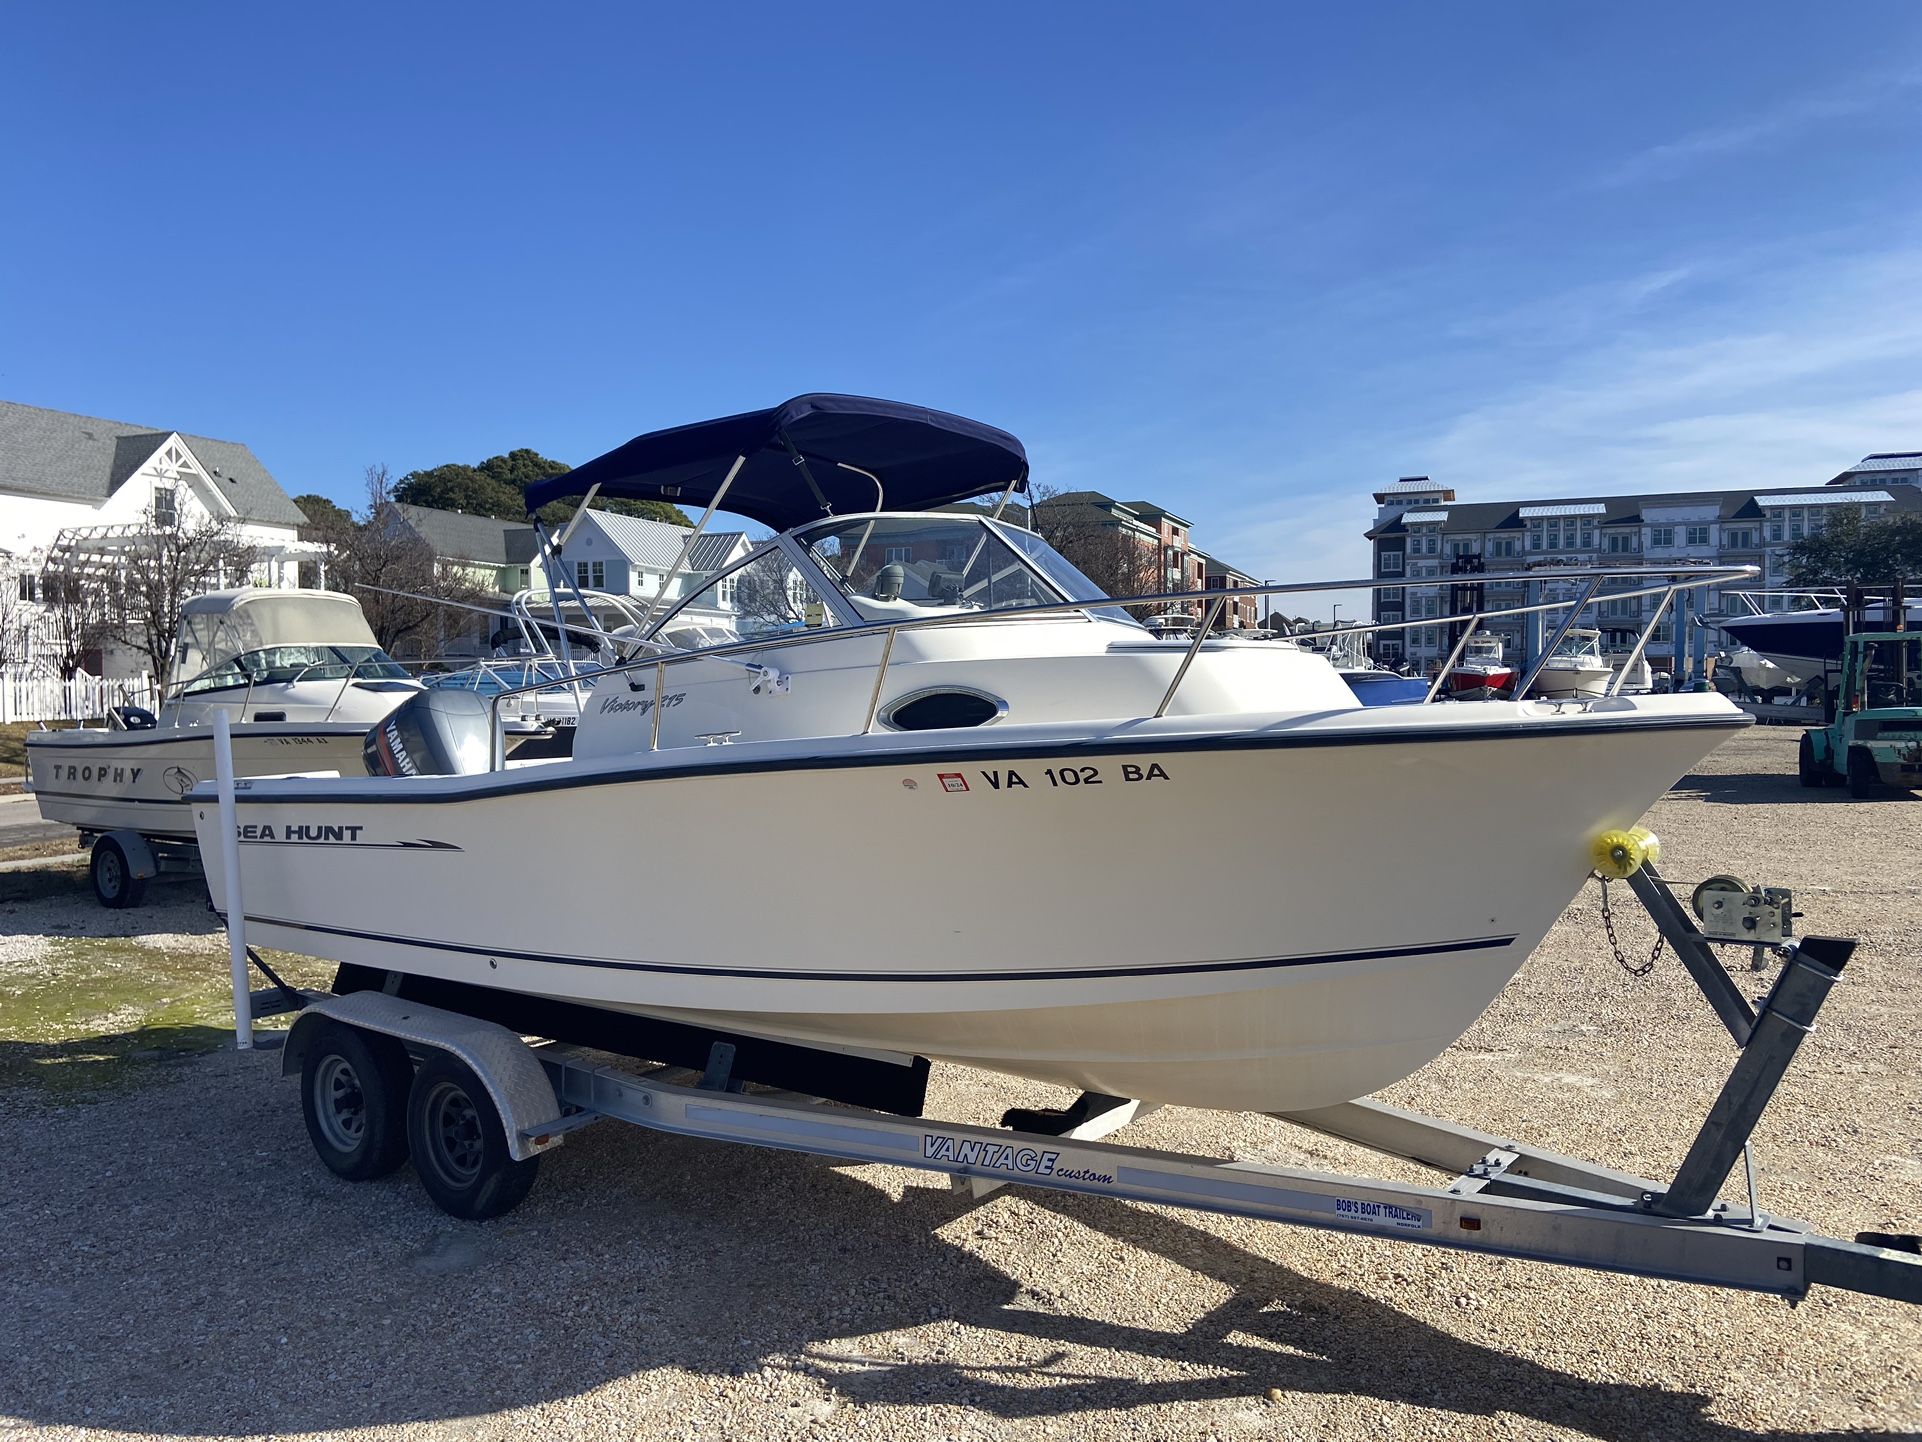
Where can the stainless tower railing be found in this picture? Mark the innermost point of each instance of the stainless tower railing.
(1672, 580)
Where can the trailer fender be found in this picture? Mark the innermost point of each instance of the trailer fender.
(141, 862)
(516, 1081)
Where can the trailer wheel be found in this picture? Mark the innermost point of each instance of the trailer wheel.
(353, 1094)
(459, 1144)
(1864, 779)
(114, 883)
(1812, 772)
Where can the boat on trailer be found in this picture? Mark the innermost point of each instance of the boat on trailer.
(895, 813)
(299, 676)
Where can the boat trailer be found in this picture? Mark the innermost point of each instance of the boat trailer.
(385, 1076)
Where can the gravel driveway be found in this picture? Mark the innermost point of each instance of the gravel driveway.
(174, 1261)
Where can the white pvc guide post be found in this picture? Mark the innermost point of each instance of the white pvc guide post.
(230, 865)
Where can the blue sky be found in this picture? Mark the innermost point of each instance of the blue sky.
(1250, 261)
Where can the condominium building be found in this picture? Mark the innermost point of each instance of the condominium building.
(1455, 556)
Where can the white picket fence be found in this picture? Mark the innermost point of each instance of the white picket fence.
(37, 696)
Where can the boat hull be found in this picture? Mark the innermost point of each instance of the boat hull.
(1480, 683)
(1806, 643)
(1312, 936)
(100, 780)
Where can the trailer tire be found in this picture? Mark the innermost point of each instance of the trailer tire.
(353, 1095)
(459, 1143)
(114, 884)
(1865, 780)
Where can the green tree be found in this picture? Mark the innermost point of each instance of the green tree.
(459, 487)
(497, 487)
(324, 519)
(1850, 548)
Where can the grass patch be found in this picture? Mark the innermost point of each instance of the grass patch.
(13, 744)
(92, 1015)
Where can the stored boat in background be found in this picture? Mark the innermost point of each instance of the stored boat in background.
(1481, 673)
(297, 673)
(1576, 667)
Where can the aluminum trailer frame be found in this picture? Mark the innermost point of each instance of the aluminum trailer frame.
(1505, 1198)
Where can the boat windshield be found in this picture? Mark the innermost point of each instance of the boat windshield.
(1580, 645)
(279, 665)
(932, 562)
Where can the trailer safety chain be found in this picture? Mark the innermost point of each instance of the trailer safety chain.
(1614, 945)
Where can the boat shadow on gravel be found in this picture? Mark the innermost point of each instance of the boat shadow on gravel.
(182, 1265)
(1768, 788)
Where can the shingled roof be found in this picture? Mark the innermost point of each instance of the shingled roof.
(83, 458)
(458, 536)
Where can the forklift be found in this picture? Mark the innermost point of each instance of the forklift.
(1872, 739)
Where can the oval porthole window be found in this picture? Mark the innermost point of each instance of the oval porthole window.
(944, 710)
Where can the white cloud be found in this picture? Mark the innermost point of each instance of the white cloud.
(1668, 160)
(1812, 368)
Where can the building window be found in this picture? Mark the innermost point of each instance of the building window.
(1391, 563)
(590, 575)
(527, 577)
(1661, 537)
(897, 555)
(29, 586)
(1698, 535)
(1503, 546)
(1741, 540)
(166, 507)
(1534, 538)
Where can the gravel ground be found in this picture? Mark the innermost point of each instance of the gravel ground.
(177, 1263)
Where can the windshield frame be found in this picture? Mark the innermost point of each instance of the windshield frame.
(800, 554)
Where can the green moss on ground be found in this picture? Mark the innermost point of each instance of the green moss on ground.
(91, 1015)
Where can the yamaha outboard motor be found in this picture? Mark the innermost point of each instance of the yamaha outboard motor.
(436, 733)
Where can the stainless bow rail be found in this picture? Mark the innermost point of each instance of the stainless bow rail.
(1671, 581)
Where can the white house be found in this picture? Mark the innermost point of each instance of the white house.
(75, 483)
(630, 556)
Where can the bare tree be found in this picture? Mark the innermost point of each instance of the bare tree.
(163, 567)
(378, 556)
(80, 616)
(1119, 561)
(15, 623)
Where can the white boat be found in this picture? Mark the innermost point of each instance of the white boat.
(903, 812)
(1575, 668)
(1640, 676)
(298, 674)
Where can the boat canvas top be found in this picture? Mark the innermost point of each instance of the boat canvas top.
(813, 456)
(217, 627)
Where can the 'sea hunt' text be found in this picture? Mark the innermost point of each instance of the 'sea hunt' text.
(299, 831)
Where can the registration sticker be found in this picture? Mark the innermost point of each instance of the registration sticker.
(953, 781)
